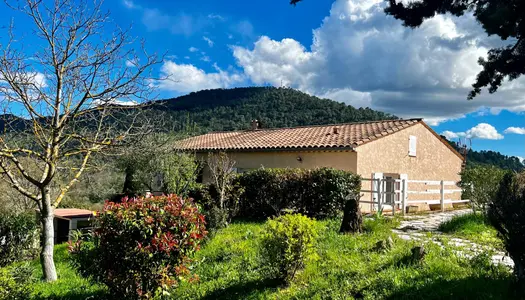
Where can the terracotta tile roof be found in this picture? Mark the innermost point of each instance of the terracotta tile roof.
(347, 135)
(72, 213)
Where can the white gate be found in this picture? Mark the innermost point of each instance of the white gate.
(387, 192)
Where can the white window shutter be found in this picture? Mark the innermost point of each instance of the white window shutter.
(412, 146)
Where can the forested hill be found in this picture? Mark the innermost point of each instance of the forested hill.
(233, 109)
(488, 157)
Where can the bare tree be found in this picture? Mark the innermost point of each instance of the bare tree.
(66, 94)
(222, 172)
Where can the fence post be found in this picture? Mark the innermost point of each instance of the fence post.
(442, 191)
(377, 188)
(393, 195)
(404, 192)
(379, 195)
(403, 196)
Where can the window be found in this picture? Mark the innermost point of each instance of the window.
(412, 145)
(83, 224)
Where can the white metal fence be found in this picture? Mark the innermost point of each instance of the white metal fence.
(390, 193)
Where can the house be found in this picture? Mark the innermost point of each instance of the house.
(69, 219)
(390, 149)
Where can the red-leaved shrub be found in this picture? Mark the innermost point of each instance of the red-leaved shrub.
(141, 247)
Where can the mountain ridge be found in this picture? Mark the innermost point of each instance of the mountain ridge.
(234, 109)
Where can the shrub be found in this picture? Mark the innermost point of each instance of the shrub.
(327, 191)
(480, 184)
(507, 214)
(14, 282)
(18, 237)
(268, 191)
(286, 243)
(318, 193)
(141, 247)
(216, 217)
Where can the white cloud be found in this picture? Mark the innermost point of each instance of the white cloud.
(193, 49)
(348, 96)
(129, 4)
(204, 57)
(426, 72)
(244, 28)
(38, 79)
(208, 40)
(131, 63)
(522, 160)
(450, 135)
(181, 23)
(114, 102)
(185, 78)
(279, 63)
(216, 17)
(515, 130)
(481, 131)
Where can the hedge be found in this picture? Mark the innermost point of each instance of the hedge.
(318, 193)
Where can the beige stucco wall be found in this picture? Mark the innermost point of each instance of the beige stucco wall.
(433, 161)
(344, 160)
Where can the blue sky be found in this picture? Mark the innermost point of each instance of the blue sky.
(345, 50)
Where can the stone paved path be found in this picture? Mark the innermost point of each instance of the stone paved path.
(431, 221)
(413, 227)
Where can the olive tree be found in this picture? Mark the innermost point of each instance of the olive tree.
(65, 98)
(153, 164)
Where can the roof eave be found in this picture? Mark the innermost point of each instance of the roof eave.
(338, 148)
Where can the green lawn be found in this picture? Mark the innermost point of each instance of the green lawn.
(473, 227)
(346, 267)
(69, 284)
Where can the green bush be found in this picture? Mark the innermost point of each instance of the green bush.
(286, 244)
(18, 236)
(264, 192)
(507, 214)
(480, 184)
(14, 282)
(142, 247)
(327, 191)
(207, 197)
(318, 193)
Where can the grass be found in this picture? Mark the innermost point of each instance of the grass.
(346, 267)
(473, 227)
(69, 286)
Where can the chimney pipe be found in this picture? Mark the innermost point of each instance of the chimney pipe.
(336, 130)
(255, 124)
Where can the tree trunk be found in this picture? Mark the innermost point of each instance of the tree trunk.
(352, 218)
(47, 238)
